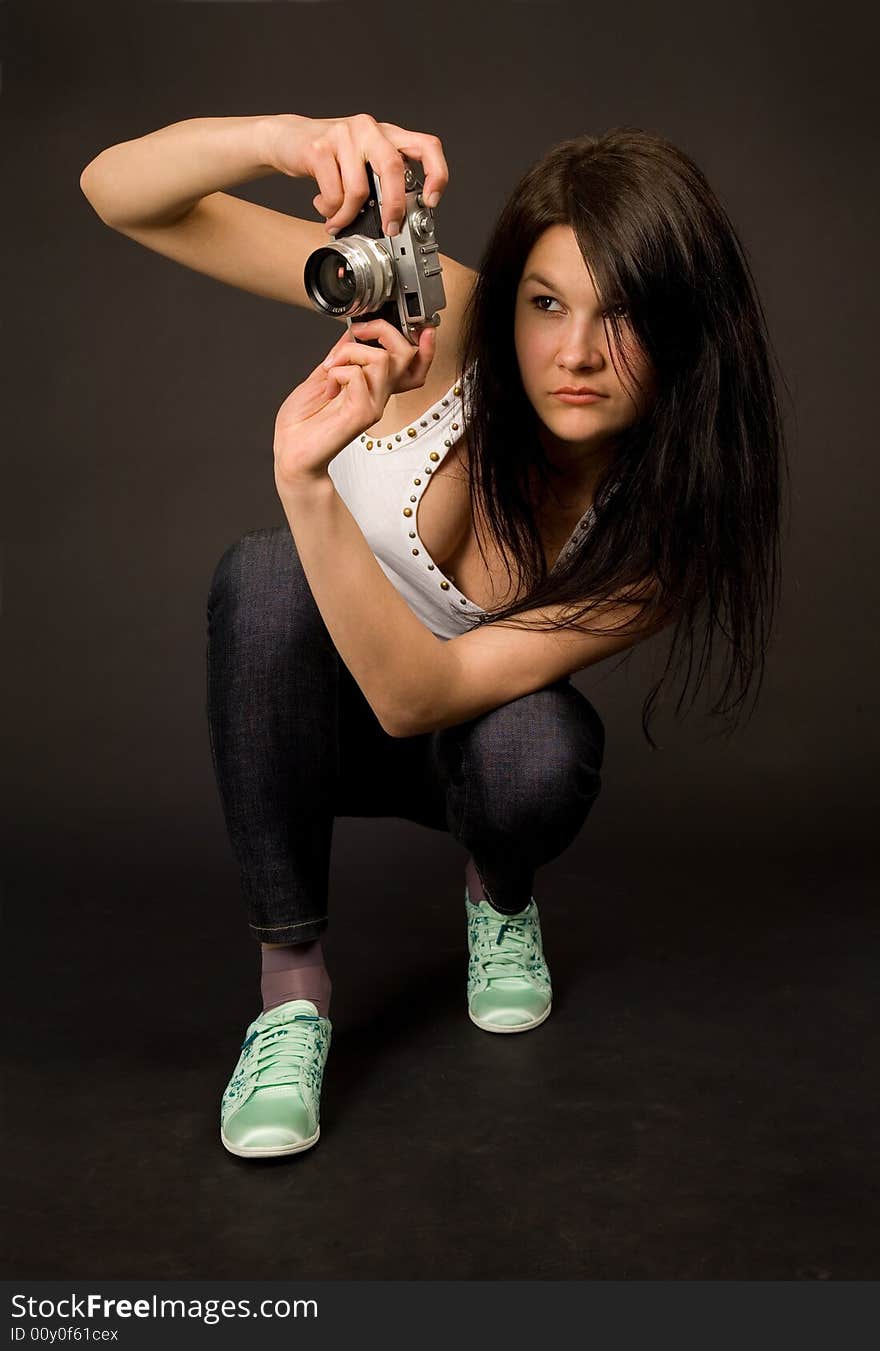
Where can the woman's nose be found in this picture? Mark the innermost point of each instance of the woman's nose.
(582, 345)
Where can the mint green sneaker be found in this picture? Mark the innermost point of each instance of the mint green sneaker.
(272, 1103)
(508, 987)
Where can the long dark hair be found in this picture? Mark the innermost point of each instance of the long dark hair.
(687, 516)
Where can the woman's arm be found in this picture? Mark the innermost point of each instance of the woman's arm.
(413, 681)
(165, 191)
(156, 179)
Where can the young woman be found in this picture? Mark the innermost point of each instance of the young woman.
(587, 451)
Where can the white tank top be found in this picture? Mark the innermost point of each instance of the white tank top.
(381, 480)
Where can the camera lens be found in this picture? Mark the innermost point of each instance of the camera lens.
(335, 279)
(352, 277)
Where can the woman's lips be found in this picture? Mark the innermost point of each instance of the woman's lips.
(577, 398)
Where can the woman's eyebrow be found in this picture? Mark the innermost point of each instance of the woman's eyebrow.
(542, 281)
(551, 286)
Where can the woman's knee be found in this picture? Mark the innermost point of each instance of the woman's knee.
(538, 755)
(259, 581)
(251, 561)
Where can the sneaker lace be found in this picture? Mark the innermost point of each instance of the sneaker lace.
(281, 1051)
(503, 948)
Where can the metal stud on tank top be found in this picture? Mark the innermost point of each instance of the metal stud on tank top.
(434, 456)
(413, 431)
(408, 511)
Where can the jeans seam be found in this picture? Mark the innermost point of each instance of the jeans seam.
(295, 924)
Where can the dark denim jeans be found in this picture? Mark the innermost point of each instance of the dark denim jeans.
(295, 744)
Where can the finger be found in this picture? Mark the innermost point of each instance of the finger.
(310, 388)
(307, 399)
(348, 337)
(408, 362)
(348, 375)
(332, 385)
(423, 355)
(356, 354)
(428, 150)
(355, 184)
(387, 333)
(389, 167)
(411, 358)
(354, 382)
(325, 171)
(321, 370)
(427, 340)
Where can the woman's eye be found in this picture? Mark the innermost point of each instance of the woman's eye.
(543, 303)
(537, 302)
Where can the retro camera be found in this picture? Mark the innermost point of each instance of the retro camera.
(366, 272)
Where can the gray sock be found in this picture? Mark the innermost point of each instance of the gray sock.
(295, 971)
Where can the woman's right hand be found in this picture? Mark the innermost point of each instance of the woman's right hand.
(333, 151)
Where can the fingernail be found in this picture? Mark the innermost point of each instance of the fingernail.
(393, 228)
(432, 199)
(332, 232)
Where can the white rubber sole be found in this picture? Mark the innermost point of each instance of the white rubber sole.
(519, 1027)
(269, 1151)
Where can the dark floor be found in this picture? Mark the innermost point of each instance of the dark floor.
(702, 1103)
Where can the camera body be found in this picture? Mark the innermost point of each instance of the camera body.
(363, 271)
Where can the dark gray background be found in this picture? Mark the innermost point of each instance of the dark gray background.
(137, 435)
(139, 419)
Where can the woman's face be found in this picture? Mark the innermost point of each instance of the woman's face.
(560, 343)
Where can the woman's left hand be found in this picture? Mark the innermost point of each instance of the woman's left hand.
(344, 396)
